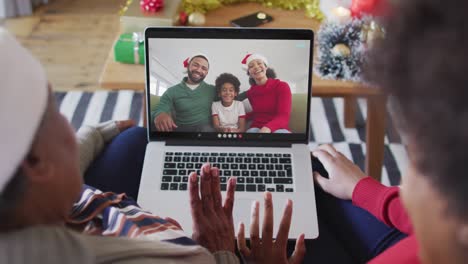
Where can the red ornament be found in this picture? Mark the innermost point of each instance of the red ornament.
(151, 6)
(183, 18)
(369, 7)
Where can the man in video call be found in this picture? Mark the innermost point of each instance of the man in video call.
(186, 106)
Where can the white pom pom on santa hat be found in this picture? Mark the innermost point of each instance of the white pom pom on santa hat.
(253, 56)
(23, 100)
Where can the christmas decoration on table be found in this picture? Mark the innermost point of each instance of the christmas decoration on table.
(129, 48)
(135, 18)
(344, 38)
(340, 51)
(311, 7)
(374, 8)
(151, 5)
(196, 19)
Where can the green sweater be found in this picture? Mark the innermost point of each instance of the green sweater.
(190, 107)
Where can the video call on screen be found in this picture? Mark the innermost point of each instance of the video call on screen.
(212, 85)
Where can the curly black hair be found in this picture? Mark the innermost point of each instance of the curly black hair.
(422, 65)
(227, 78)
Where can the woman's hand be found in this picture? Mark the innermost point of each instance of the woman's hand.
(213, 226)
(122, 125)
(343, 174)
(266, 249)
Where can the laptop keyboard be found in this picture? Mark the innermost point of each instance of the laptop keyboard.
(255, 172)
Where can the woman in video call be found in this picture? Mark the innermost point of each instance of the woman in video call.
(228, 113)
(270, 98)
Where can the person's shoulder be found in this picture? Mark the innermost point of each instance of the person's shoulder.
(280, 85)
(35, 244)
(238, 104)
(278, 82)
(207, 85)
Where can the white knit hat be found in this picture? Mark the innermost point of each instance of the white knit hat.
(250, 57)
(23, 100)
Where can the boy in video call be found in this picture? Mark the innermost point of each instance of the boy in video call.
(228, 113)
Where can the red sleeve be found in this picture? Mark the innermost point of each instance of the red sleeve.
(283, 110)
(383, 202)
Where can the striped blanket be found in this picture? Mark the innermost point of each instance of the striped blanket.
(327, 124)
(110, 214)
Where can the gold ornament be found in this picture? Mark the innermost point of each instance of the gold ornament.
(341, 50)
(196, 19)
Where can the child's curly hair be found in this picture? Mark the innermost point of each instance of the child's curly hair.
(227, 78)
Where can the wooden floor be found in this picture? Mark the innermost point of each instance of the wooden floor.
(71, 38)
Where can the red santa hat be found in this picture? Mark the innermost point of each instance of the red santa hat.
(24, 82)
(253, 56)
(187, 60)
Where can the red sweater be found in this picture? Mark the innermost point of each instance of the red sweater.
(385, 203)
(271, 105)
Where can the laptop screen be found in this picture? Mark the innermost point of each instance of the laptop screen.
(236, 85)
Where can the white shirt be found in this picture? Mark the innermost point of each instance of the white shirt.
(192, 86)
(228, 116)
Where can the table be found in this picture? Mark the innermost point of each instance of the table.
(126, 76)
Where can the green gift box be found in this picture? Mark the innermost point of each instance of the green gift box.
(129, 48)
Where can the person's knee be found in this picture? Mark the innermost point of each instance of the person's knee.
(282, 131)
(253, 130)
(135, 136)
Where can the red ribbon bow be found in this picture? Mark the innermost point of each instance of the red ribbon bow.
(151, 5)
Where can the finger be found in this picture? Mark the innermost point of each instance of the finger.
(173, 221)
(330, 149)
(321, 181)
(125, 124)
(172, 124)
(216, 190)
(205, 189)
(324, 157)
(299, 251)
(195, 202)
(158, 126)
(267, 226)
(229, 202)
(241, 245)
(167, 125)
(254, 226)
(283, 231)
(162, 125)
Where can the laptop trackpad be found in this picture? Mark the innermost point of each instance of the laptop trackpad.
(243, 210)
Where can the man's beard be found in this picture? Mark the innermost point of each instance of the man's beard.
(194, 80)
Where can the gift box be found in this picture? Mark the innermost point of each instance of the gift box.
(129, 48)
(133, 19)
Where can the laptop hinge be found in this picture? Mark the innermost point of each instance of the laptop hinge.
(217, 143)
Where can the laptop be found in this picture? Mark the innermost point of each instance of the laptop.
(276, 162)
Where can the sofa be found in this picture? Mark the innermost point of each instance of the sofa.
(297, 122)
